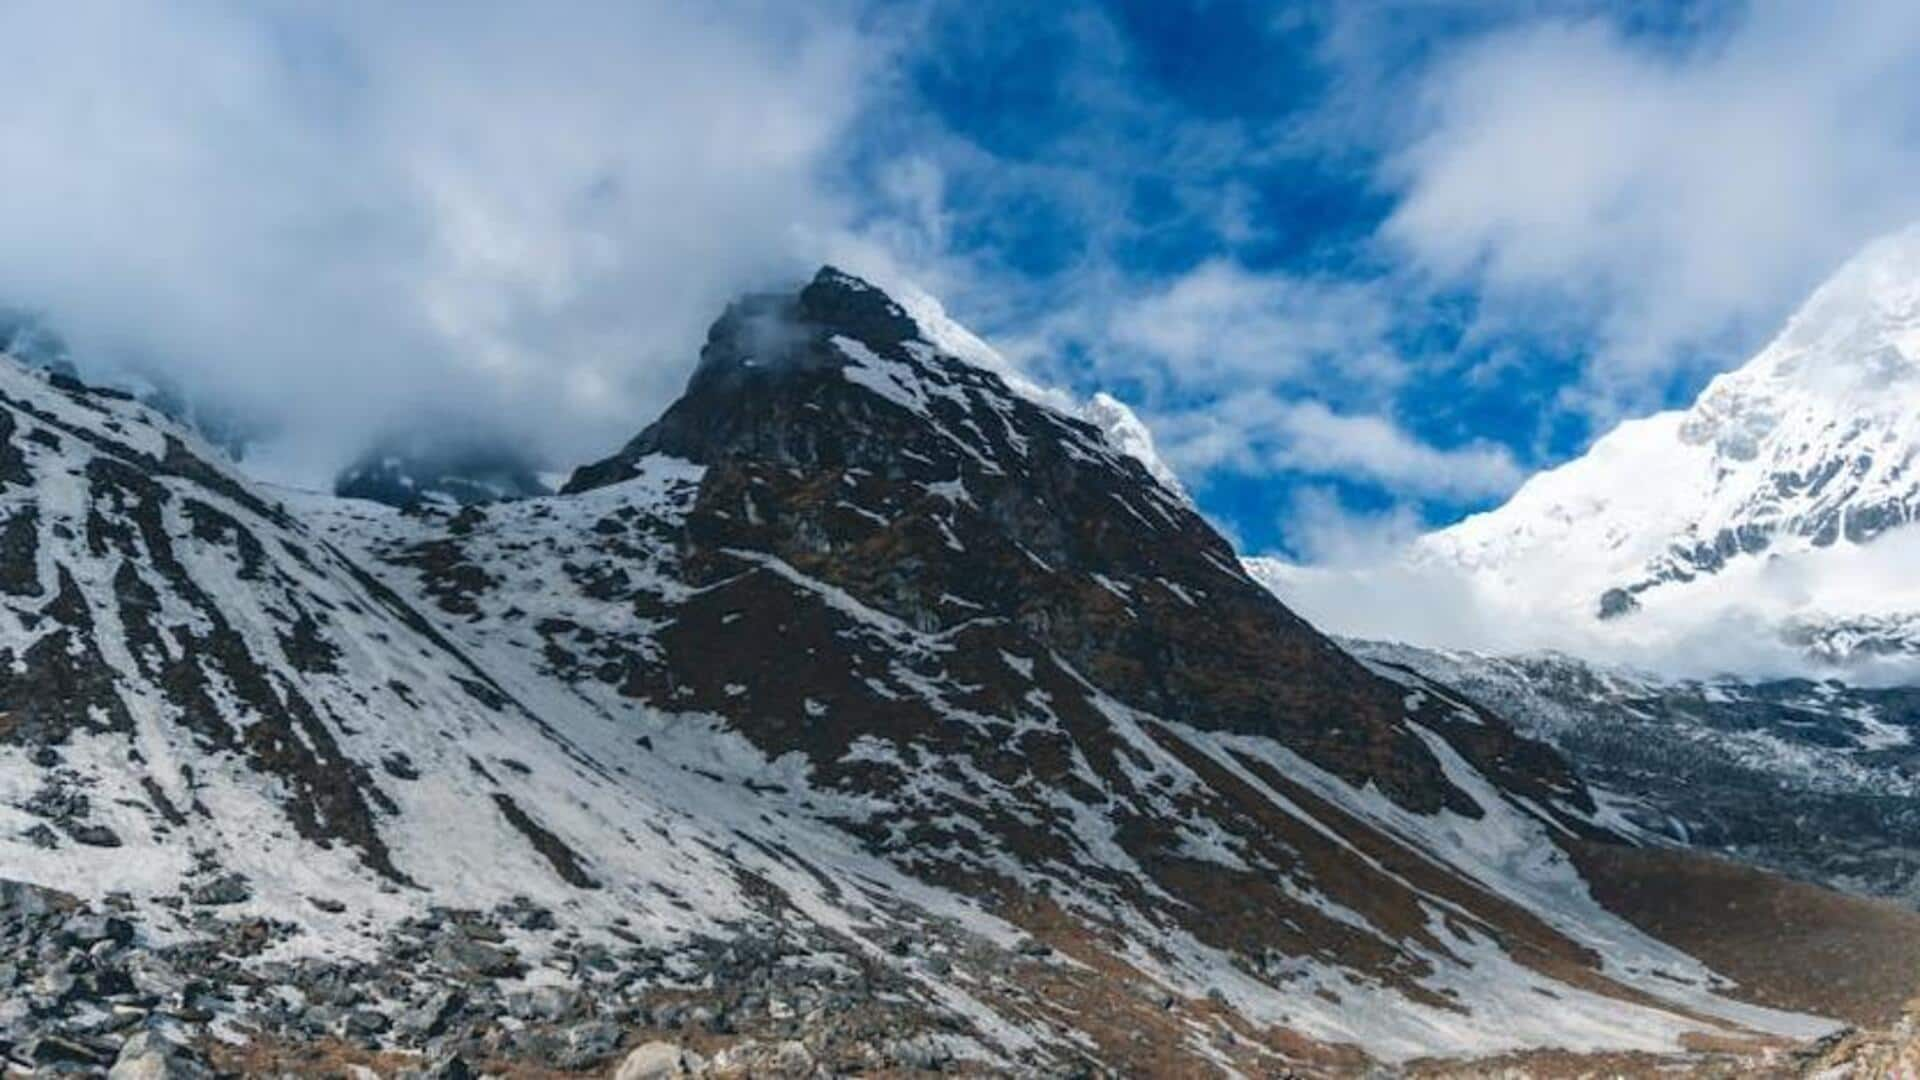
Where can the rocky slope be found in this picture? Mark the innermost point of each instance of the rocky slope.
(864, 712)
(1814, 779)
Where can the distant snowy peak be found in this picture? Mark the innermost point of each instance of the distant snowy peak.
(420, 468)
(1804, 453)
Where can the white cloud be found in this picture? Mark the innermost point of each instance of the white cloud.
(1219, 324)
(349, 213)
(1258, 432)
(1324, 532)
(1669, 198)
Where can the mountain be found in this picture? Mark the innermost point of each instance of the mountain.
(865, 712)
(409, 470)
(1818, 780)
(1783, 496)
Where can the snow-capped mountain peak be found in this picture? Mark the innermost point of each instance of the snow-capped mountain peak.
(906, 401)
(1758, 498)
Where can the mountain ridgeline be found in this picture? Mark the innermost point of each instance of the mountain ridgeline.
(865, 712)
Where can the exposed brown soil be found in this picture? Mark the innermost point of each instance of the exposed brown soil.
(1137, 1027)
(1789, 945)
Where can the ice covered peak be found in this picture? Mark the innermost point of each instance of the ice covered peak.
(1785, 496)
(1871, 302)
(1848, 358)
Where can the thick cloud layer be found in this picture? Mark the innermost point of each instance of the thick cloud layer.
(346, 215)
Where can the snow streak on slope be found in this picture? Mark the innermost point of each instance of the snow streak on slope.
(201, 686)
(1510, 855)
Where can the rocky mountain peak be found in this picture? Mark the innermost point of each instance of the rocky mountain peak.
(839, 375)
(844, 304)
(839, 438)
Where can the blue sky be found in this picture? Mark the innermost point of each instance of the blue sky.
(1096, 156)
(1362, 267)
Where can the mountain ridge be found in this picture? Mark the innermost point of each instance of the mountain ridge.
(862, 697)
(1765, 530)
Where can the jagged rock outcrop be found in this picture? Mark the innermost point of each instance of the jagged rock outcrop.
(1875, 1054)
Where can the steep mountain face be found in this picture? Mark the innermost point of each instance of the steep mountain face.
(840, 444)
(196, 685)
(978, 637)
(1783, 493)
(863, 702)
(1818, 780)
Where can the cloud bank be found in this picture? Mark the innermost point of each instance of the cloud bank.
(1669, 199)
(345, 216)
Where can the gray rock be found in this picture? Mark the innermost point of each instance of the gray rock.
(452, 1067)
(57, 1053)
(918, 1052)
(93, 835)
(225, 889)
(20, 898)
(366, 1023)
(549, 1003)
(431, 1017)
(86, 930)
(150, 1056)
(587, 1044)
(462, 955)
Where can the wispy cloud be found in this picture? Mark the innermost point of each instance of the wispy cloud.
(1259, 432)
(1219, 325)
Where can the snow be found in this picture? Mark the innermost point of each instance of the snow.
(1120, 425)
(1128, 435)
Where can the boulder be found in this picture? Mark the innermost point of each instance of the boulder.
(151, 1056)
(225, 889)
(659, 1061)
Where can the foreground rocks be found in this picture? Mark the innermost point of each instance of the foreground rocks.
(452, 993)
